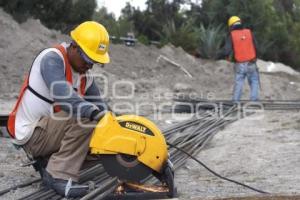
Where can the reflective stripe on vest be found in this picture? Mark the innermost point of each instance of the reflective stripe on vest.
(25, 85)
(243, 46)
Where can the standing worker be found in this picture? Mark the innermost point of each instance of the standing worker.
(241, 43)
(60, 104)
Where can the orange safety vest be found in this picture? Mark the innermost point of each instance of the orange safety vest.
(68, 74)
(243, 45)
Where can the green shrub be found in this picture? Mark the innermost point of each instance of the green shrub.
(210, 41)
(183, 36)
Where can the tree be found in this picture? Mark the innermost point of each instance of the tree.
(158, 13)
(106, 19)
(62, 14)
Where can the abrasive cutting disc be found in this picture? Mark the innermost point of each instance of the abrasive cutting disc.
(125, 167)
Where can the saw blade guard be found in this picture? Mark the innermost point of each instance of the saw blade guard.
(132, 135)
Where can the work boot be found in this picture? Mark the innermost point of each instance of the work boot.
(74, 190)
(62, 187)
(47, 179)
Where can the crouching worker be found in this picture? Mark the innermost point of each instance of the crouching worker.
(60, 104)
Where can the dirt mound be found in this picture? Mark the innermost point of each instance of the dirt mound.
(149, 68)
(18, 46)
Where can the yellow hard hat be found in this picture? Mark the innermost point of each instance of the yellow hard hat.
(232, 20)
(93, 39)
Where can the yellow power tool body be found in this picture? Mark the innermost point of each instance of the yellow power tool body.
(131, 148)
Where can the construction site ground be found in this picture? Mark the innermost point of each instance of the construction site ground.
(261, 150)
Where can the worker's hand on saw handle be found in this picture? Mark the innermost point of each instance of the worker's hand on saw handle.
(97, 115)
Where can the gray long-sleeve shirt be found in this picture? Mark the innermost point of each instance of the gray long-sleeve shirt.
(52, 70)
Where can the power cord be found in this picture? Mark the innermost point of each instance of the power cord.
(216, 174)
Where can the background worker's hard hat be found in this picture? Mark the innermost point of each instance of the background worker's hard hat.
(93, 39)
(232, 20)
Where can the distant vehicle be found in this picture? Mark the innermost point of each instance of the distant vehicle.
(130, 40)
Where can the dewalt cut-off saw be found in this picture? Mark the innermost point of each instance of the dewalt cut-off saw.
(132, 148)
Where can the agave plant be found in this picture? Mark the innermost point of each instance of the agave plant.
(183, 36)
(210, 40)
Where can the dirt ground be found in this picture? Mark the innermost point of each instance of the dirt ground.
(263, 152)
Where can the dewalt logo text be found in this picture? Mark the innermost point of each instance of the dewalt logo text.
(135, 127)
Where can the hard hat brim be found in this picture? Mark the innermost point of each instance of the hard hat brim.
(99, 58)
(233, 23)
(232, 20)
(104, 58)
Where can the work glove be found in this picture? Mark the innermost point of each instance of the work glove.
(97, 115)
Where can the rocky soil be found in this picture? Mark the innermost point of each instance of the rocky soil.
(263, 152)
